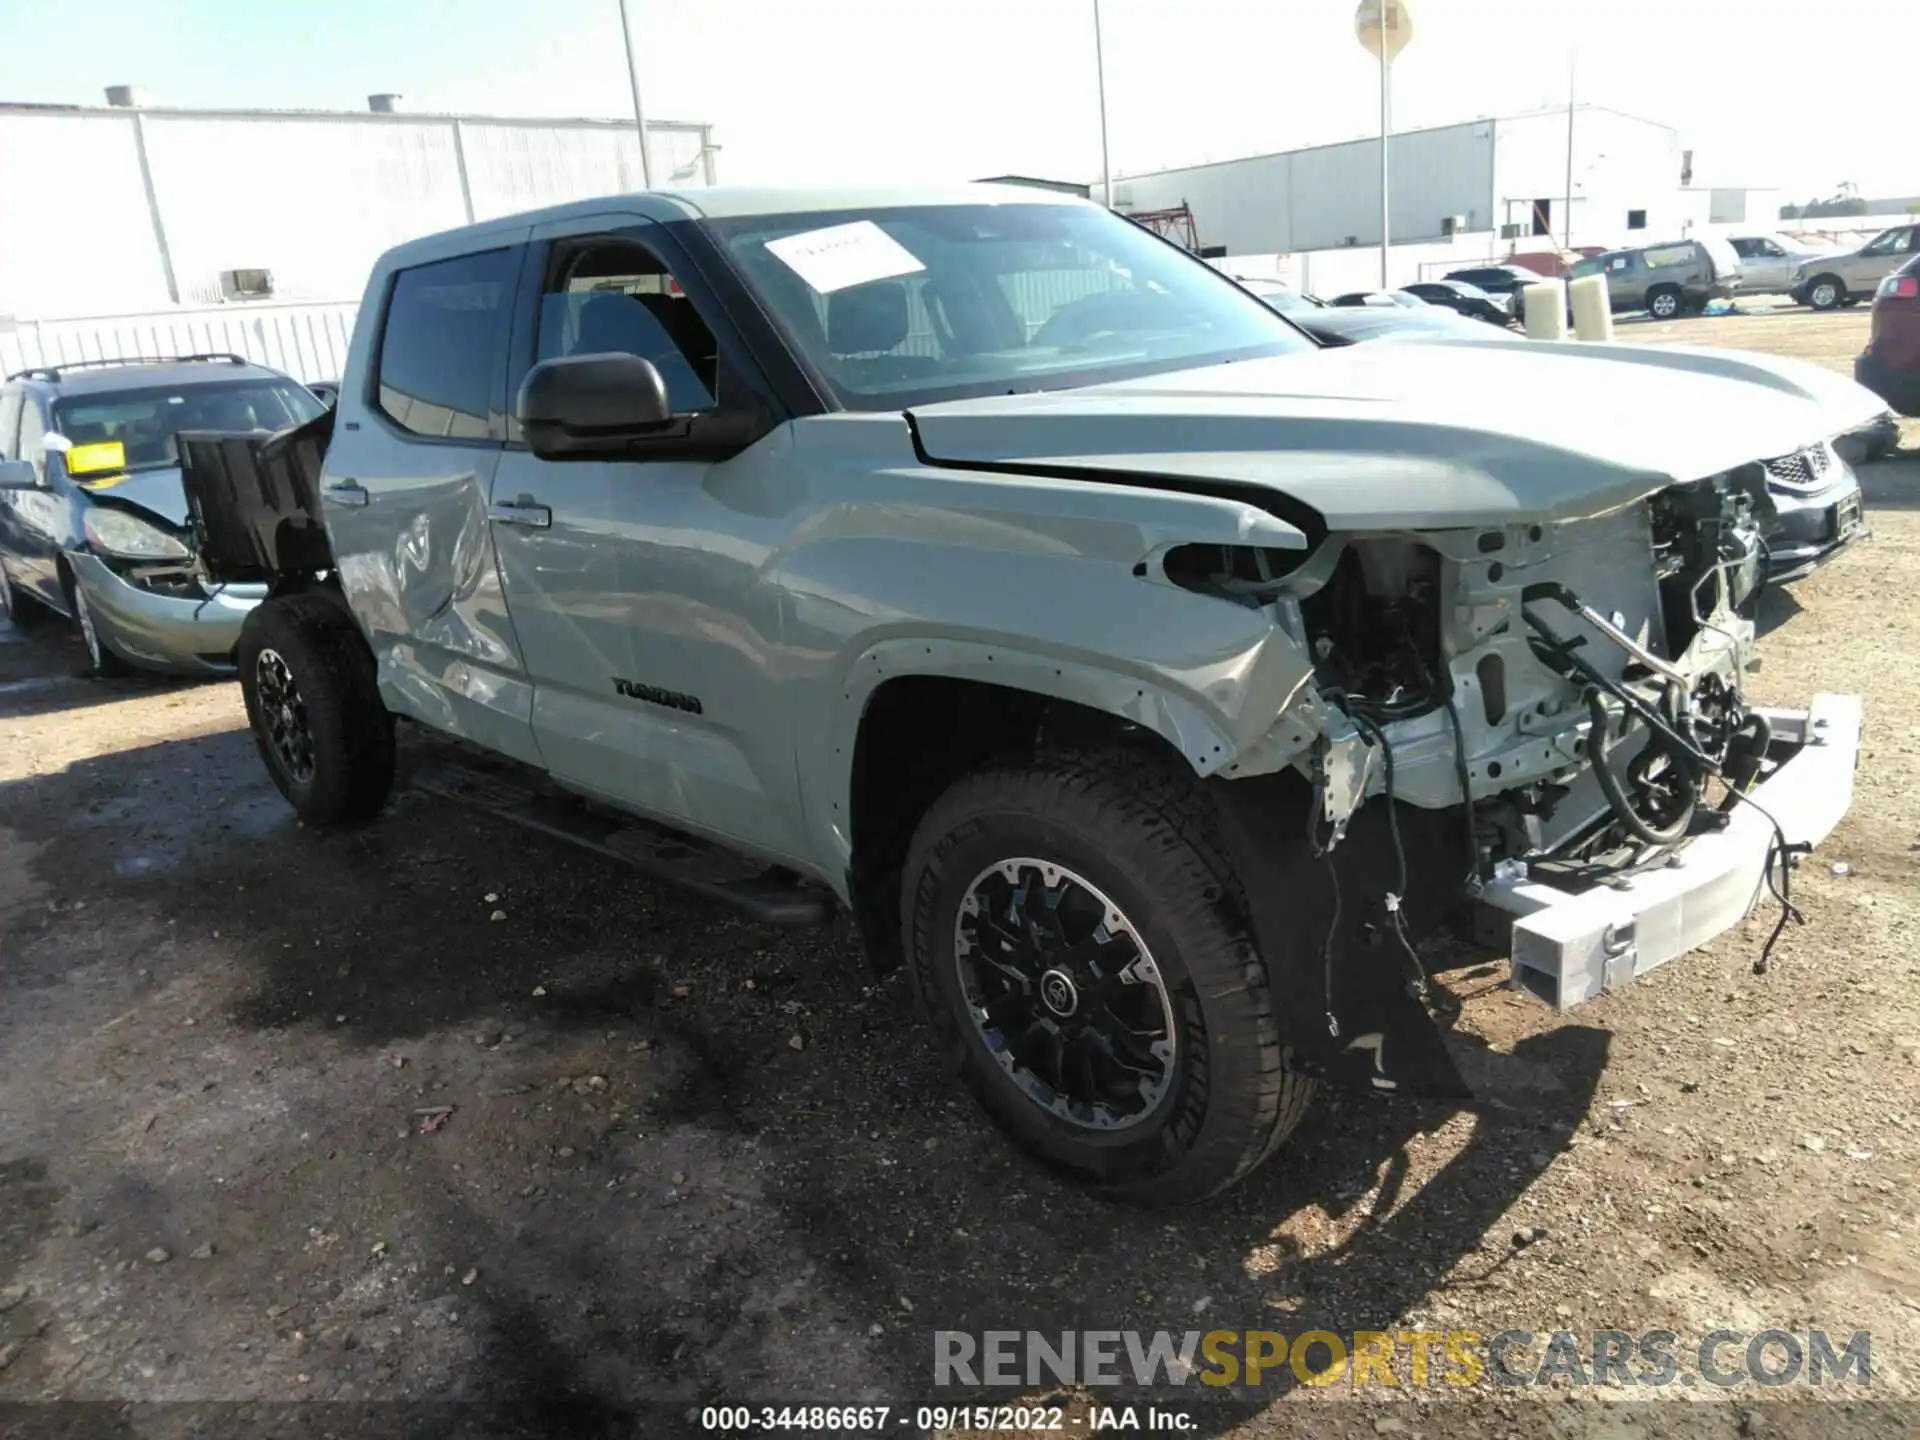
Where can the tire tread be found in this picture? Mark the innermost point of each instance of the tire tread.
(352, 730)
(1139, 802)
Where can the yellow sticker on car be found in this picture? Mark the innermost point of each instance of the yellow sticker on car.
(97, 458)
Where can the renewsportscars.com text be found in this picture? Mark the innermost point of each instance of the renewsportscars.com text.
(1459, 1358)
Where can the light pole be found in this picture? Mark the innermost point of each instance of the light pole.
(633, 80)
(1100, 74)
(1566, 225)
(1384, 28)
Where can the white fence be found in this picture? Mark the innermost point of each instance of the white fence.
(308, 342)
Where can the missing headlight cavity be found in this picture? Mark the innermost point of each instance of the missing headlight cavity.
(1237, 572)
(1375, 625)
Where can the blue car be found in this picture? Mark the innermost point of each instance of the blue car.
(93, 520)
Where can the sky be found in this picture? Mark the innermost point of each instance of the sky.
(885, 91)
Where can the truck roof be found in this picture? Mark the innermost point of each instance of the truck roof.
(734, 202)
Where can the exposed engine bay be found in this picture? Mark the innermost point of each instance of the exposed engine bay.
(1572, 687)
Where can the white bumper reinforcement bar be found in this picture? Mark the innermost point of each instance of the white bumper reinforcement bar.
(1569, 946)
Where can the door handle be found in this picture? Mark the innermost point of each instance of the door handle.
(521, 512)
(348, 492)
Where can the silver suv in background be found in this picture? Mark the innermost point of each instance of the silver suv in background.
(1668, 280)
(1768, 262)
(1848, 277)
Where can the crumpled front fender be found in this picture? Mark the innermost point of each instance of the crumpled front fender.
(1325, 933)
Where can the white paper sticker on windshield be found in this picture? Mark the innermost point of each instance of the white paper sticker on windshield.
(843, 255)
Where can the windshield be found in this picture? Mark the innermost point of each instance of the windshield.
(145, 421)
(1279, 297)
(901, 306)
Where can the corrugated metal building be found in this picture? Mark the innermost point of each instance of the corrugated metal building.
(129, 208)
(1505, 179)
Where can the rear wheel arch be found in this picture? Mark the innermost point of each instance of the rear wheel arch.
(313, 705)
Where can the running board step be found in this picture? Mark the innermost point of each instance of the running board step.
(770, 896)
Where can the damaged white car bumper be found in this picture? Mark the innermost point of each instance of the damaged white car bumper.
(1570, 945)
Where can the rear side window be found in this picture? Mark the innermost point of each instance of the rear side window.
(9, 423)
(443, 347)
(33, 438)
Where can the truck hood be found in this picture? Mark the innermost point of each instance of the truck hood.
(157, 491)
(1430, 436)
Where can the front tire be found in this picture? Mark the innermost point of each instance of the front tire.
(101, 661)
(314, 707)
(1078, 943)
(15, 608)
(1826, 292)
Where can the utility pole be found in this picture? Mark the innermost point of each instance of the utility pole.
(1384, 28)
(1100, 71)
(633, 80)
(1386, 129)
(1566, 225)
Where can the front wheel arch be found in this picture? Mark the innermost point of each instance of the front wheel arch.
(913, 734)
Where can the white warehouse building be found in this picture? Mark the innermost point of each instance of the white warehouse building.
(130, 208)
(1482, 188)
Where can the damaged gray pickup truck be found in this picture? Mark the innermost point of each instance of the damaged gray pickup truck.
(1157, 687)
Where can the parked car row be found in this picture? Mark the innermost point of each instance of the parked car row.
(1682, 277)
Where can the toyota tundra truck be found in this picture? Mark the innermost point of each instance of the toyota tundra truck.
(1163, 692)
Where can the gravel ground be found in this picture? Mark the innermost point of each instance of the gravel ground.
(438, 1114)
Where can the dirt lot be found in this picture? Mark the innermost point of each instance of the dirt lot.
(440, 1113)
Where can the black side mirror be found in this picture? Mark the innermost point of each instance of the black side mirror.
(581, 405)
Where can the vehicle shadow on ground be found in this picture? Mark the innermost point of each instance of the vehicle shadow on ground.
(1893, 483)
(874, 1204)
(43, 671)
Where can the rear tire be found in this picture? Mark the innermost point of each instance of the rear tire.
(1665, 302)
(314, 707)
(1081, 831)
(1826, 292)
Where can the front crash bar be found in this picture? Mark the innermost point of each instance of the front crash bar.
(1569, 946)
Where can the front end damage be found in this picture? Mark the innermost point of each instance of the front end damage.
(1534, 735)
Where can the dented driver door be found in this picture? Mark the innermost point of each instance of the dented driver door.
(405, 493)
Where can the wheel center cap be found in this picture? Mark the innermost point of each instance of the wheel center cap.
(1056, 989)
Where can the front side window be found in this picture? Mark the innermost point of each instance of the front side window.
(1890, 242)
(33, 439)
(900, 306)
(614, 297)
(145, 421)
(443, 345)
(10, 403)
